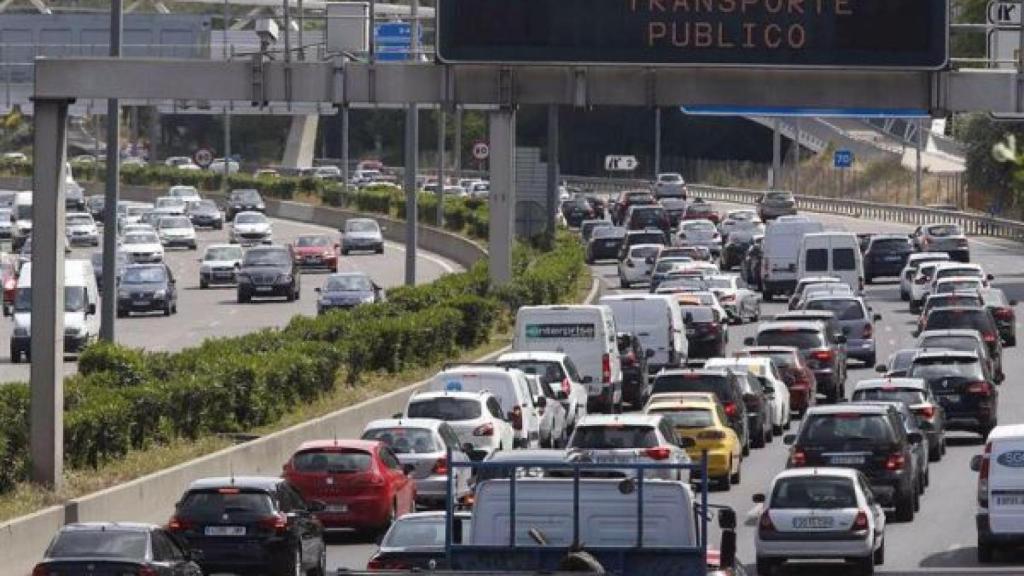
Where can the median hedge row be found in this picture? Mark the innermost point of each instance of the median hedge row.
(124, 399)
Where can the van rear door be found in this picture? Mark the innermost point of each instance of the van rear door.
(1006, 486)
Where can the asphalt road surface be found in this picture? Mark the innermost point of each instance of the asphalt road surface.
(215, 313)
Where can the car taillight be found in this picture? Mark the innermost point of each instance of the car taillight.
(928, 412)
(982, 477)
(277, 522)
(484, 430)
(801, 382)
(179, 524)
(730, 409)
(606, 368)
(989, 336)
(895, 461)
(146, 571)
(658, 453)
(10, 284)
(1004, 313)
(630, 359)
(517, 418)
(711, 435)
(566, 386)
(981, 388)
(860, 522)
(868, 331)
(822, 355)
(798, 458)
(387, 564)
(39, 570)
(766, 525)
(440, 466)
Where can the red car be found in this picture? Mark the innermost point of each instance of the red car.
(316, 251)
(701, 210)
(8, 279)
(798, 376)
(361, 482)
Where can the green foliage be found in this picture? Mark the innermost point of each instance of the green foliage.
(984, 173)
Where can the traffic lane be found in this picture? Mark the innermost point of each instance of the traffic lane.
(214, 312)
(349, 551)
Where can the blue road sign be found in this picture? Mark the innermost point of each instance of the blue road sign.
(392, 41)
(843, 158)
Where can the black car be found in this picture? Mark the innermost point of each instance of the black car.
(205, 213)
(588, 226)
(267, 272)
(247, 525)
(147, 288)
(734, 251)
(636, 384)
(1003, 314)
(645, 217)
(724, 384)
(103, 548)
(969, 318)
(95, 205)
(648, 236)
(924, 408)
(773, 204)
(823, 350)
(750, 269)
(706, 331)
(576, 210)
(347, 290)
(964, 387)
(674, 207)
(866, 437)
(244, 200)
(416, 542)
(605, 243)
(886, 255)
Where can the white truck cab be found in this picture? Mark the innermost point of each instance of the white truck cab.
(1000, 512)
(81, 323)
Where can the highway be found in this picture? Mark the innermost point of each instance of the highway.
(215, 313)
(941, 539)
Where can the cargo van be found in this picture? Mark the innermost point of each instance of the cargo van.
(832, 254)
(1000, 512)
(781, 250)
(656, 320)
(81, 323)
(21, 214)
(587, 334)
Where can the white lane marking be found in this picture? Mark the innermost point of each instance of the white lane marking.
(426, 256)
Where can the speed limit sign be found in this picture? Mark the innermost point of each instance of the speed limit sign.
(481, 150)
(203, 157)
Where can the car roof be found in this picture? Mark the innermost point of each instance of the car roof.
(796, 314)
(701, 371)
(948, 265)
(429, 423)
(960, 354)
(928, 256)
(636, 246)
(449, 394)
(630, 419)
(850, 473)
(792, 349)
(368, 445)
(790, 325)
(951, 332)
(876, 383)
(845, 408)
(543, 356)
(254, 482)
(1006, 431)
(102, 526)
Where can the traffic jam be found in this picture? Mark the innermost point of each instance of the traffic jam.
(643, 407)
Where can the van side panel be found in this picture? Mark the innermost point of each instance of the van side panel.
(782, 241)
(1006, 486)
(651, 319)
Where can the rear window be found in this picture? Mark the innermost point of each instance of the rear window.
(611, 437)
(894, 395)
(952, 301)
(938, 368)
(802, 339)
(643, 251)
(697, 314)
(651, 238)
(843, 309)
(225, 500)
(99, 544)
(405, 440)
(450, 409)
(548, 372)
(951, 272)
(847, 428)
(949, 319)
(688, 417)
(333, 461)
(698, 209)
(781, 359)
(422, 533)
(944, 230)
(844, 259)
(816, 260)
(891, 245)
(964, 343)
(817, 492)
(696, 382)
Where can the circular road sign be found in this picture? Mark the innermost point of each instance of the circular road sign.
(203, 157)
(481, 150)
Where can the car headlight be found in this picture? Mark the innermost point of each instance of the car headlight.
(284, 279)
(261, 206)
(159, 294)
(21, 331)
(368, 299)
(243, 277)
(204, 269)
(124, 294)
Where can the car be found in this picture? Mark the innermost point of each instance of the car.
(137, 227)
(176, 231)
(870, 438)
(724, 384)
(554, 428)
(186, 193)
(701, 298)
(219, 164)
(670, 185)
(629, 439)
(803, 284)
(587, 228)
(964, 386)
(750, 268)
(855, 319)
(597, 202)
(269, 271)
(823, 290)
(739, 302)
(576, 210)
(638, 237)
(697, 253)
(700, 418)
(915, 393)
(347, 290)
(143, 247)
(969, 277)
(250, 524)
(362, 234)
(736, 219)
(826, 317)
(914, 260)
(962, 299)
(80, 228)
(316, 251)
(796, 374)
(121, 261)
(886, 255)
(820, 513)
(948, 238)
(706, 331)
(773, 204)
(558, 371)
(8, 280)
(637, 266)
(169, 206)
(636, 383)
(921, 284)
(821, 349)
(768, 381)
(997, 517)
(629, 198)
(966, 339)
(1002, 310)
(674, 208)
(117, 547)
(219, 265)
(642, 217)
(480, 190)
(605, 243)
(665, 267)
(898, 364)
(181, 163)
(920, 451)
(147, 288)
(951, 284)
(416, 542)
(739, 240)
(243, 200)
(476, 418)
(699, 209)
(979, 319)
(699, 232)
(205, 213)
(94, 205)
(250, 229)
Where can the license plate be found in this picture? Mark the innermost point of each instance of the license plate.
(950, 399)
(892, 258)
(225, 531)
(1009, 499)
(609, 243)
(222, 274)
(846, 460)
(312, 259)
(690, 331)
(813, 522)
(337, 508)
(140, 302)
(264, 288)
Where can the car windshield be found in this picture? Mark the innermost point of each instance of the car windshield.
(995, 297)
(908, 396)
(614, 436)
(405, 440)
(813, 492)
(549, 372)
(223, 253)
(901, 360)
(944, 230)
(184, 191)
(312, 241)
(335, 461)
(217, 503)
(802, 339)
(847, 427)
(449, 409)
(962, 272)
(669, 265)
(143, 275)
(73, 219)
(720, 283)
(172, 202)
(74, 299)
(699, 227)
(939, 368)
(141, 238)
(777, 196)
(99, 544)
(423, 533)
(608, 232)
(948, 286)
(781, 359)
(279, 258)
(945, 318)
(843, 308)
(360, 226)
(179, 222)
(349, 284)
(649, 238)
(687, 417)
(204, 206)
(245, 196)
(254, 218)
(691, 382)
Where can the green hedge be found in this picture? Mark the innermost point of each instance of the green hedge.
(124, 399)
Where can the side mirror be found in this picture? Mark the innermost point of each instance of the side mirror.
(876, 317)
(408, 469)
(317, 289)
(990, 277)
(749, 341)
(789, 439)
(686, 442)
(541, 401)
(316, 506)
(758, 498)
(915, 333)
(1013, 302)
(841, 339)
(976, 462)
(727, 519)
(7, 310)
(588, 379)
(649, 354)
(92, 309)
(881, 369)
(915, 437)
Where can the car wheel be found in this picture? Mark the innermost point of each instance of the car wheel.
(768, 566)
(121, 313)
(917, 496)
(865, 565)
(15, 356)
(777, 430)
(735, 477)
(986, 552)
(344, 251)
(392, 515)
(767, 294)
(758, 441)
(167, 309)
(380, 250)
(879, 556)
(868, 280)
(321, 566)
(623, 283)
(1012, 340)
(942, 449)
(243, 298)
(905, 506)
(203, 284)
(904, 296)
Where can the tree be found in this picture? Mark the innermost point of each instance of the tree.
(985, 173)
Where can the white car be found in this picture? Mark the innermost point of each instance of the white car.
(819, 513)
(133, 213)
(80, 228)
(169, 206)
(134, 228)
(186, 193)
(480, 190)
(765, 371)
(958, 270)
(700, 233)
(557, 370)
(915, 260)
(739, 302)
(638, 265)
(217, 166)
(951, 284)
(474, 416)
(632, 438)
(553, 427)
(670, 184)
(181, 163)
(220, 265)
(249, 228)
(143, 247)
(736, 218)
(176, 231)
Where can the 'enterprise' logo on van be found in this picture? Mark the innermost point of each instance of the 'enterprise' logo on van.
(1012, 459)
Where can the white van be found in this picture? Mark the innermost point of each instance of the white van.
(81, 323)
(781, 251)
(1000, 513)
(833, 254)
(587, 334)
(657, 322)
(508, 385)
(21, 214)
(607, 516)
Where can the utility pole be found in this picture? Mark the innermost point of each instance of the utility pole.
(657, 141)
(108, 305)
(917, 164)
(457, 145)
(796, 159)
(227, 107)
(441, 125)
(412, 136)
(776, 155)
(552, 196)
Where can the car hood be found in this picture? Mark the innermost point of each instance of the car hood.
(71, 320)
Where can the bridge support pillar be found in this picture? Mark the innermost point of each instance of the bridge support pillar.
(502, 198)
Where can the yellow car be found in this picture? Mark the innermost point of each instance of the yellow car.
(700, 417)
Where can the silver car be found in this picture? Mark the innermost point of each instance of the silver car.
(700, 233)
(362, 234)
(629, 439)
(249, 228)
(553, 427)
(856, 320)
(910, 270)
(742, 304)
(670, 184)
(425, 444)
(948, 238)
